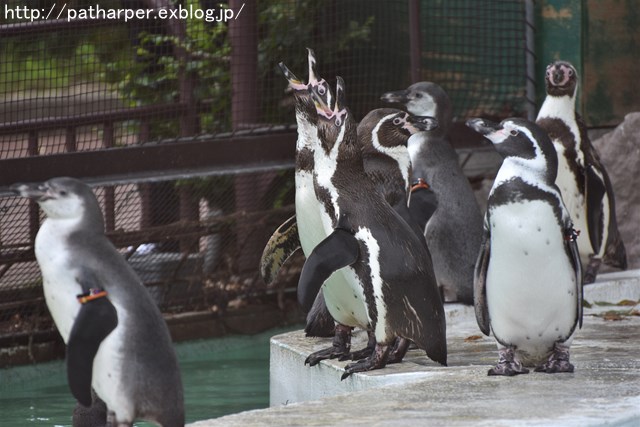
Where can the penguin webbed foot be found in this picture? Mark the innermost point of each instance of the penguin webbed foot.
(376, 360)
(591, 271)
(508, 364)
(341, 346)
(400, 348)
(558, 361)
(363, 353)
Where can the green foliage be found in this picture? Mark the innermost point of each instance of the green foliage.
(287, 28)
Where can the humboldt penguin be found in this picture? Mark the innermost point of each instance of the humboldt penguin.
(454, 231)
(117, 340)
(391, 286)
(528, 279)
(582, 178)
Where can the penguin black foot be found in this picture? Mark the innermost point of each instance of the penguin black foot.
(558, 361)
(377, 360)
(365, 352)
(400, 348)
(341, 346)
(93, 416)
(591, 271)
(508, 365)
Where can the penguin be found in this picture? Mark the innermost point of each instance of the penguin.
(391, 288)
(304, 230)
(528, 278)
(383, 134)
(582, 179)
(116, 339)
(454, 231)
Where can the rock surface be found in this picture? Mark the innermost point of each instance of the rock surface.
(620, 153)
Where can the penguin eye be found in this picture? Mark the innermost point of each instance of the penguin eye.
(338, 122)
(63, 193)
(321, 90)
(570, 73)
(513, 132)
(418, 95)
(397, 121)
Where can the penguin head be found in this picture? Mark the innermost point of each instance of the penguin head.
(521, 141)
(389, 127)
(304, 102)
(336, 126)
(63, 198)
(424, 99)
(561, 79)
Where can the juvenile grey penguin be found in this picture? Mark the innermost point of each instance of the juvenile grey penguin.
(528, 280)
(117, 341)
(582, 179)
(391, 286)
(454, 231)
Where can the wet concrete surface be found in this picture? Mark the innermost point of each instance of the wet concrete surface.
(603, 390)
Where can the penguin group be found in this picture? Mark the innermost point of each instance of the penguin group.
(391, 230)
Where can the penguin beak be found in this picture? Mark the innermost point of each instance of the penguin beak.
(423, 123)
(36, 192)
(294, 82)
(313, 78)
(397, 97)
(483, 127)
(321, 105)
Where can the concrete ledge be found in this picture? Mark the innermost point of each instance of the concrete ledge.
(604, 390)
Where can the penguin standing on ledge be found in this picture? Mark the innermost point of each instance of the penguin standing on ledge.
(582, 179)
(528, 282)
(117, 340)
(383, 134)
(454, 231)
(392, 290)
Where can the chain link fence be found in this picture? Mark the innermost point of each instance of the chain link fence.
(99, 84)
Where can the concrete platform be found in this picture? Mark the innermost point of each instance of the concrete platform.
(604, 390)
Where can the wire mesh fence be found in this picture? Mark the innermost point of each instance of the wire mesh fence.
(100, 83)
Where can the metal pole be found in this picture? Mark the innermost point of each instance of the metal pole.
(415, 50)
(530, 58)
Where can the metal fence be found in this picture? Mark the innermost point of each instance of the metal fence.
(185, 130)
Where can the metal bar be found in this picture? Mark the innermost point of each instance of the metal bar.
(156, 158)
(123, 114)
(44, 26)
(108, 141)
(34, 210)
(530, 58)
(415, 49)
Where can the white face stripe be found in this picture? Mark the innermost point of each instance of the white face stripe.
(398, 153)
(373, 249)
(325, 168)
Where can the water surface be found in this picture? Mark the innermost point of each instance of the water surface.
(221, 376)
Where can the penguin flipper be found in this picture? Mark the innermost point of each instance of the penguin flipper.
(320, 323)
(480, 284)
(422, 205)
(283, 243)
(337, 250)
(572, 248)
(95, 320)
(595, 192)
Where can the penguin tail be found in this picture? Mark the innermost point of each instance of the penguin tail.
(616, 255)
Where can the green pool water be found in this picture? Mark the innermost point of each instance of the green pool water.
(221, 376)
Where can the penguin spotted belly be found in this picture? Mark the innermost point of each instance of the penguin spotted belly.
(530, 282)
(346, 303)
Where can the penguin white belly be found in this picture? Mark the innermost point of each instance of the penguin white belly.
(58, 278)
(344, 297)
(308, 213)
(531, 288)
(108, 378)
